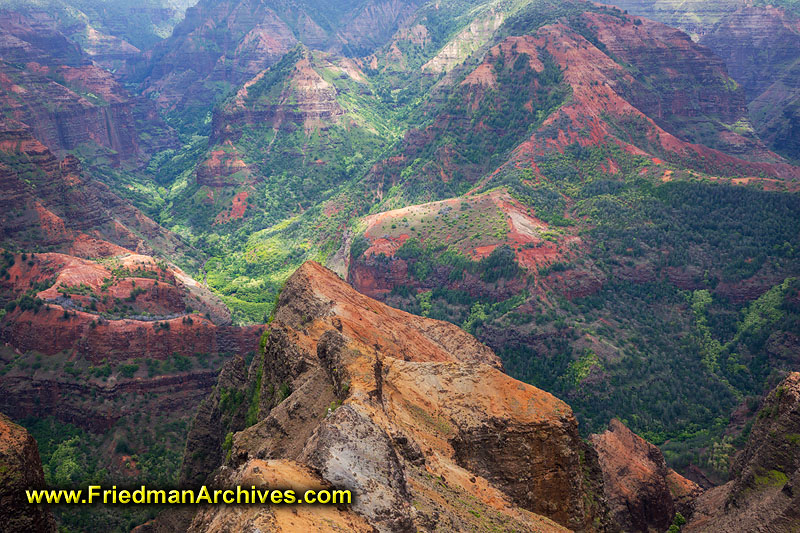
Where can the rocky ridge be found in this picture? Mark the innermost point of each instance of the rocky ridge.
(303, 97)
(634, 84)
(350, 393)
(400, 408)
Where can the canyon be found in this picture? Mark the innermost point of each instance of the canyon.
(757, 41)
(524, 265)
(339, 374)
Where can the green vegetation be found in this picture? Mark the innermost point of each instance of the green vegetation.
(227, 445)
(677, 523)
(128, 370)
(634, 312)
(673, 362)
(283, 224)
(173, 364)
(254, 408)
(501, 117)
(579, 370)
(771, 478)
(69, 461)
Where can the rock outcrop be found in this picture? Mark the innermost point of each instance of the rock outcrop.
(279, 519)
(51, 332)
(20, 470)
(413, 415)
(643, 493)
(763, 494)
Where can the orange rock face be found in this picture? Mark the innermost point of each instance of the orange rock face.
(643, 494)
(280, 519)
(49, 332)
(403, 409)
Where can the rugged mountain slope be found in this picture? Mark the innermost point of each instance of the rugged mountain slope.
(338, 374)
(646, 88)
(53, 87)
(20, 469)
(307, 129)
(123, 307)
(103, 281)
(758, 42)
(579, 188)
(221, 45)
(97, 331)
(290, 138)
(601, 218)
(643, 493)
(624, 82)
(287, 129)
(403, 409)
(695, 17)
(762, 494)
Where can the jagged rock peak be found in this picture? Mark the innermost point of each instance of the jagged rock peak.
(412, 414)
